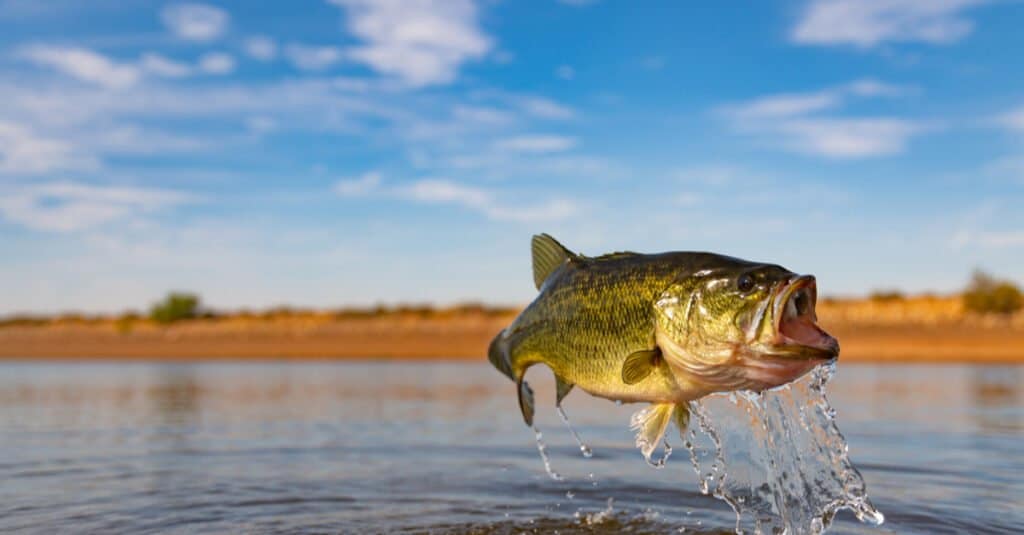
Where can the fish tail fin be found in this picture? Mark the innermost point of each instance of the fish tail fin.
(497, 353)
(525, 401)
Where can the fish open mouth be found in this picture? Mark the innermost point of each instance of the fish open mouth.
(796, 325)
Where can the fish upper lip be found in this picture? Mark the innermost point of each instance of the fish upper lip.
(786, 292)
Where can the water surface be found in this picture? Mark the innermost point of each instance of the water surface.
(440, 447)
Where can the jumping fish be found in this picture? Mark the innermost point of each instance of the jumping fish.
(663, 329)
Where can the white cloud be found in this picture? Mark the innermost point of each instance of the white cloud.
(787, 105)
(82, 64)
(441, 191)
(986, 238)
(162, 66)
(216, 63)
(565, 72)
(195, 22)
(868, 23)
(261, 48)
(482, 115)
(1014, 119)
(797, 122)
(313, 58)
(22, 151)
(536, 143)
(73, 206)
(422, 42)
(848, 138)
(366, 184)
(544, 108)
(260, 124)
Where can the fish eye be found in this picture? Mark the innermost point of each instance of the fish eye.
(745, 283)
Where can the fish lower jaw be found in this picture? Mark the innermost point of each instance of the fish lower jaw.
(768, 372)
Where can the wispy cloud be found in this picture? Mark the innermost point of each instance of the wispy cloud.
(195, 22)
(444, 191)
(312, 58)
(261, 48)
(869, 23)
(421, 42)
(217, 63)
(1000, 239)
(160, 65)
(536, 143)
(82, 64)
(73, 206)
(797, 122)
(358, 187)
(23, 151)
(1013, 119)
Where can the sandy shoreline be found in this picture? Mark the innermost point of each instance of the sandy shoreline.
(458, 338)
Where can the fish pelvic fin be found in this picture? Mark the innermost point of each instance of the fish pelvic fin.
(651, 422)
(548, 255)
(682, 418)
(497, 353)
(562, 389)
(639, 365)
(525, 401)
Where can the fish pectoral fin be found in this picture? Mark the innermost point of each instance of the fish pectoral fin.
(639, 365)
(650, 424)
(562, 389)
(526, 401)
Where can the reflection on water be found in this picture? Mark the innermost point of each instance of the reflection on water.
(342, 447)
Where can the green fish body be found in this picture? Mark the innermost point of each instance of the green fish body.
(660, 328)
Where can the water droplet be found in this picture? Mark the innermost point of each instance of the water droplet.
(584, 449)
(543, 450)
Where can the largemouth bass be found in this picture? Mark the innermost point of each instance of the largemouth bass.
(663, 329)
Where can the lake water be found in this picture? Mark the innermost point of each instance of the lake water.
(441, 447)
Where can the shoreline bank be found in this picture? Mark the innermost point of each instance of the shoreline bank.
(450, 339)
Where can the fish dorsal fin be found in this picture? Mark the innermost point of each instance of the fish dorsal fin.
(548, 255)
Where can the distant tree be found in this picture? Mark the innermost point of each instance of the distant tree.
(886, 295)
(988, 295)
(176, 306)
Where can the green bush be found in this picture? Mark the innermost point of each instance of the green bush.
(988, 295)
(176, 306)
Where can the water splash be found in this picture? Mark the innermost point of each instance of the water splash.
(600, 517)
(584, 449)
(777, 458)
(665, 454)
(543, 450)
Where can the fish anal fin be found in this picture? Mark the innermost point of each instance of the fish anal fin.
(650, 424)
(562, 389)
(548, 255)
(639, 365)
(526, 401)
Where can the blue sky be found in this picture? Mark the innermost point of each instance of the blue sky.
(326, 153)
